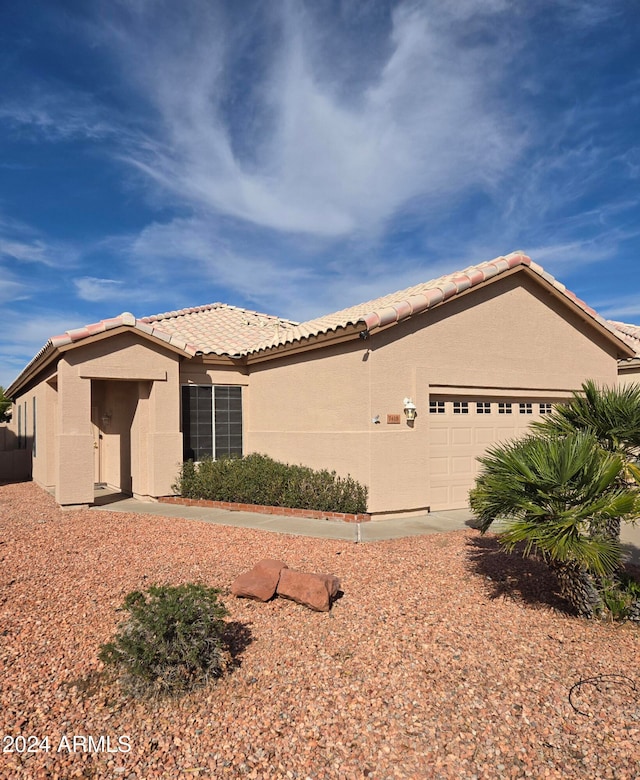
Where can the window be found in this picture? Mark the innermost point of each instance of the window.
(483, 407)
(19, 426)
(460, 407)
(526, 408)
(504, 407)
(545, 408)
(436, 407)
(33, 445)
(211, 421)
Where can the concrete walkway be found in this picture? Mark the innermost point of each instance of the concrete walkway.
(374, 531)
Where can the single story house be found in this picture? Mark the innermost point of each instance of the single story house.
(473, 357)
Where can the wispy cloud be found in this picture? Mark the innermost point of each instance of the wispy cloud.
(299, 159)
(33, 251)
(309, 158)
(269, 278)
(24, 244)
(27, 337)
(11, 290)
(91, 288)
(57, 116)
(282, 277)
(625, 308)
(572, 254)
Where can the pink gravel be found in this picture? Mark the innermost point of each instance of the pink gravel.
(443, 659)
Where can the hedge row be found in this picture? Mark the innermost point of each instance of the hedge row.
(258, 479)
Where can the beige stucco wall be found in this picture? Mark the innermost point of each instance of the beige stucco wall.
(317, 408)
(39, 461)
(119, 393)
(314, 408)
(629, 373)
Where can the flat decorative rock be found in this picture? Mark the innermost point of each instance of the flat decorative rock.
(261, 582)
(315, 591)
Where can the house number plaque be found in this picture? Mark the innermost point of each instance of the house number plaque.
(393, 419)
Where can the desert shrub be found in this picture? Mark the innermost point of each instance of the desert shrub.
(259, 479)
(188, 479)
(171, 641)
(621, 596)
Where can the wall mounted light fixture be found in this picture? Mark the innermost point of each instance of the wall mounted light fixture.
(410, 409)
(106, 418)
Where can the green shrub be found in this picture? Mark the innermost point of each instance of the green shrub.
(621, 597)
(172, 640)
(258, 479)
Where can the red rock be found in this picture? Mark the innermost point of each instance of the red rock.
(261, 582)
(315, 591)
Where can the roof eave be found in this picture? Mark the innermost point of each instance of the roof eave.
(50, 352)
(336, 335)
(629, 363)
(43, 358)
(374, 322)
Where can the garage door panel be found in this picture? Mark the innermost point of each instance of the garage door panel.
(459, 495)
(461, 465)
(438, 435)
(456, 441)
(440, 496)
(492, 434)
(461, 436)
(485, 435)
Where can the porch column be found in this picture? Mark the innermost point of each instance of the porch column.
(157, 442)
(75, 467)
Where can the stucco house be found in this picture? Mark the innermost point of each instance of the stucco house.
(476, 355)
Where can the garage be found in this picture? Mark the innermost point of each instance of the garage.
(462, 427)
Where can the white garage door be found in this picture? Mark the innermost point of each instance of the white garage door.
(460, 430)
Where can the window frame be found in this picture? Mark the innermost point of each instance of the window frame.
(223, 419)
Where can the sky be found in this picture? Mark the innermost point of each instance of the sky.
(296, 158)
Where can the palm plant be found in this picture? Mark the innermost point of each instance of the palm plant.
(556, 496)
(611, 414)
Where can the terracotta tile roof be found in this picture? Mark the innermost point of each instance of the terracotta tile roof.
(78, 334)
(400, 305)
(221, 329)
(125, 319)
(630, 334)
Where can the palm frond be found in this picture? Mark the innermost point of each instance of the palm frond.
(611, 414)
(554, 494)
(564, 541)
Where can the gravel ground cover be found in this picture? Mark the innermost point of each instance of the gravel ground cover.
(443, 659)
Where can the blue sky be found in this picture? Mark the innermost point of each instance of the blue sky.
(297, 158)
